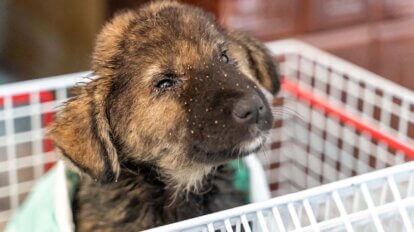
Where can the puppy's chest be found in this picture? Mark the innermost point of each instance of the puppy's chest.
(139, 206)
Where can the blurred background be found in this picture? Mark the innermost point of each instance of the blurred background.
(40, 38)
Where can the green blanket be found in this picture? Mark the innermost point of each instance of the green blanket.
(48, 206)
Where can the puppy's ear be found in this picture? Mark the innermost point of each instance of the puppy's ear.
(82, 133)
(255, 60)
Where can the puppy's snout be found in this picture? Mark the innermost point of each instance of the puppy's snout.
(249, 110)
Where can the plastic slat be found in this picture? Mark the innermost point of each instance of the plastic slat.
(210, 227)
(294, 216)
(262, 221)
(401, 208)
(245, 223)
(342, 211)
(227, 224)
(11, 152)
(371, 207)
(278, 219)
(310, 214)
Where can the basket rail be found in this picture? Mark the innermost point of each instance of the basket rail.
(54, 82)
(332, 188)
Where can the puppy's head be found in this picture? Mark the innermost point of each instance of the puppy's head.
(174, 90)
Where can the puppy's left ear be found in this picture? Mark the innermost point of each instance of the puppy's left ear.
(254, 59)
(82, 133)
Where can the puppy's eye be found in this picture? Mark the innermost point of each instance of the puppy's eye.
(224, 58)
(166, 83)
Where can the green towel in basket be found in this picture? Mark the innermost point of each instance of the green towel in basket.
(48, 206)
(241, 178)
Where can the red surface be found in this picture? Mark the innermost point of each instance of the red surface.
(353, 120)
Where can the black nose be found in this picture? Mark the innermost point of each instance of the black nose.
(249, 110)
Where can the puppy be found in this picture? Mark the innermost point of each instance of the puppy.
(176, 98)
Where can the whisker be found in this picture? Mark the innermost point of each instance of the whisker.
(281, 111)
(263, 148)
(266, 156)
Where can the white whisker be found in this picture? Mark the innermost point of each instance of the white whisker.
(280, 112)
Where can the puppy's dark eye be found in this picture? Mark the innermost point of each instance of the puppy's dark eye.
(166, 83)
(224, 58)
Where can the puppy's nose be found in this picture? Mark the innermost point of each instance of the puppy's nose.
(249, 110)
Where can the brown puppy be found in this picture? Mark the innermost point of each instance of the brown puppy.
(176, 97)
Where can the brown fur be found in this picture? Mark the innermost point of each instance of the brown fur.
(149, 155)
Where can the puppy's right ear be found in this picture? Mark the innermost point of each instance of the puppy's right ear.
(255, 59)
(81, 132)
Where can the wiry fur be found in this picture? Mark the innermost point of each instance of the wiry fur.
(148, 156)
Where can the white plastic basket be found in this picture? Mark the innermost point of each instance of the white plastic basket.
(334, 120)
(377, 201)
